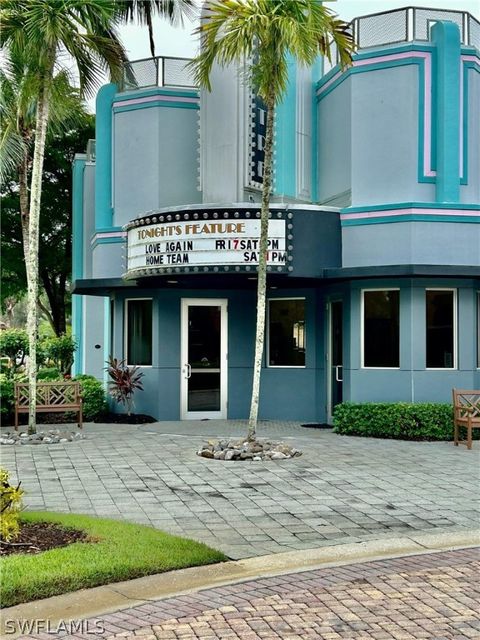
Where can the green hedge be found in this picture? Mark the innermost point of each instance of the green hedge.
(49, 374)
(402, 420)
(93, 394)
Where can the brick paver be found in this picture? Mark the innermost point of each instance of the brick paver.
(342, 489)
(431, 596)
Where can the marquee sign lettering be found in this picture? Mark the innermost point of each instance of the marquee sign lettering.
(192, 242)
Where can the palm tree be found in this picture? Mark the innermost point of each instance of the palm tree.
(47, 34)
(261, 34)
(18, 103)
(144, 10)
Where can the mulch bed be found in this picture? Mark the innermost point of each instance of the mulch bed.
(317, 425)
(36, 537)
(124, 418)
(66, 418)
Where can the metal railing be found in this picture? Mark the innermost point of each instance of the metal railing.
(406, 25)
(91, 150)
(162, 71)
(373, 30)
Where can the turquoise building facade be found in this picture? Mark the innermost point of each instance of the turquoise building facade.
(374, 257)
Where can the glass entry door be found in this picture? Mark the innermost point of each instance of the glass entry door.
(335, 356)
(204, 359)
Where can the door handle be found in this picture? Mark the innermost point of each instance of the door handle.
(189, 371)
(337, 374)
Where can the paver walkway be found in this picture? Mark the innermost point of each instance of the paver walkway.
(342, 489)
(432, 596)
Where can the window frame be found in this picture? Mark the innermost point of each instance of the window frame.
(478, 327)
(125, 331)
(362, 328)
(267, 341)
(455, 328)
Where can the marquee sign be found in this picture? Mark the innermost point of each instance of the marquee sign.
(205, 242)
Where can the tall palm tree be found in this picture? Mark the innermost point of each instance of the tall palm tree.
(144, 10)
(47, 34)
(261, 34)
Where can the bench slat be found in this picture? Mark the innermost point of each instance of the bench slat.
(51, 397)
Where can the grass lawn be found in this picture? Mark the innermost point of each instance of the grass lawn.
(122, 551)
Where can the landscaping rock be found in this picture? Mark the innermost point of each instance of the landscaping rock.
(50, 437)
(278, 455)
(255, 450)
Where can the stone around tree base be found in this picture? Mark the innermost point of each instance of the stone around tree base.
(54, 436)
(247, 450)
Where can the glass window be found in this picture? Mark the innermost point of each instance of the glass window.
(440, 329)
(381, 328)
(286, 346)
(139, 332)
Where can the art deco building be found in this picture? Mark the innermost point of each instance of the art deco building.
(374, 257)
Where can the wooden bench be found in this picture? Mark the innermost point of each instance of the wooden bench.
(51, 397)
(466, 413)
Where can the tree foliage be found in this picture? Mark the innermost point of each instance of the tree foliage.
(14, 346)
(55, 251)
(41, 32)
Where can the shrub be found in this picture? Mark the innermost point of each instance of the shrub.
(417, 421)
(7, 392)
(10, 507)
(49, 374)
(93, 394)
(7, 398)
(124, 382)
(60, 350)
(14, 346)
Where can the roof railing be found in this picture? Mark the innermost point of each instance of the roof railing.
(373, 30)
(162, 71)
(406, 25)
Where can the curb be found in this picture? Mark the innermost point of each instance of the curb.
(98, 601)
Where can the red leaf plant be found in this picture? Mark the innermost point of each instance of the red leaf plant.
(124, 382)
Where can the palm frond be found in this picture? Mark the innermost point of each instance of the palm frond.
(12, 151)
(263, 34)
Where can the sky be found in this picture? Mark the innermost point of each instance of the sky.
(171, 41)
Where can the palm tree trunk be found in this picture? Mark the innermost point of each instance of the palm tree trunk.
(23, 197)
(262, 268)
(148, 18)
(43, 106)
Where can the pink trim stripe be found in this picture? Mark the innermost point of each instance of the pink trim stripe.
(399, 212)
(471, 59)
(157, 98)
(427, 114)
(463, 59)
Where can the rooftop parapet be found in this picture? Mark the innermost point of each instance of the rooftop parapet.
(374, 30)
(407, 25)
